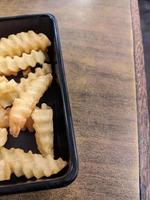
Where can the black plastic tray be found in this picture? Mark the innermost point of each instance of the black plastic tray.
(56, 97)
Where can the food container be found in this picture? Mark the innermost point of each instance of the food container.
(56, 97)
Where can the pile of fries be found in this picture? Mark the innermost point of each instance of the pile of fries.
(18, 106)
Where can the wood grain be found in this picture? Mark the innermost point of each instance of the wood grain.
(143, 115)
(143, 97)
(97, 45)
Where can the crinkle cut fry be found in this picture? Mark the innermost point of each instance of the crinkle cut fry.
(3, 79)
(25, 82)
(4, 120)
(24, 105)
(26, 72)
(43, 125)
(28, 164)
(11, 66)
(3, 136)
(4, 114)
(29, 125)
(5, 171)
(8, 92)
(23, 42)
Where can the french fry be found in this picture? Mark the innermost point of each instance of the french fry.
(3, 79)
(25, 82)
(29, 124)
(24, 105)
(28, 164)
(23, 42)
(26, 72)
(5, 171)
(43, 125)
(24, 51)
(4, 113)
(8, 92)
(10, 66)
(3, 136)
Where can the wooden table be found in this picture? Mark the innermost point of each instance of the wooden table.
(97, 44)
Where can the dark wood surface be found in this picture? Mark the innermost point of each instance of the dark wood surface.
(142, 65)
(97, 44)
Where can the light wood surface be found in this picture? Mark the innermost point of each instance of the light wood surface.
(97, 44)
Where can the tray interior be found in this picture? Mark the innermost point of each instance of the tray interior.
(52, 96)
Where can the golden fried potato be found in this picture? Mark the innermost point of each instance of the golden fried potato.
(8, 92)
(4, 114)
(26, 102)
(29, 124)
(26, 72)
(3, 79)
(5, 171)
(3, 136)
(23, 42)
(10, 66)
(25, 82)
(28, 164)
(18, 110)
(43, 125)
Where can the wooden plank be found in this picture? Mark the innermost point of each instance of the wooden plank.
(97, 46)
(142, 103)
